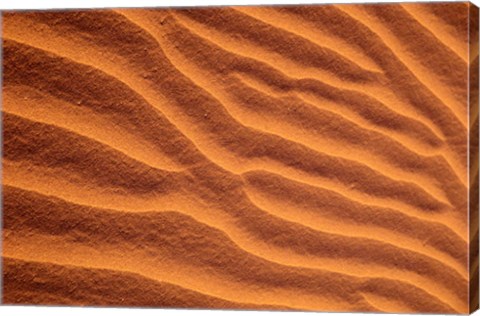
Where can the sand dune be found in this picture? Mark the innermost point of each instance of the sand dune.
(302, 157)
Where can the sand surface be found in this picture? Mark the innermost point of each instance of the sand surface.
(310, 158)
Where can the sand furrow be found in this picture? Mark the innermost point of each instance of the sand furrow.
(279, 41)
(375, 92)
(352, 106)
(249, 64)
(422, 73)
(327, 128)
(78, 225)
(318, 125)
(452, 15)
(379, 237)
(32, 129)
(42, 145)
(286, 157)
(444, 62)
(142, 120)
(215, 64)
(84, 193)
(380, 286)
(319, 38)
(202, 61)
(97, 131)
(263, 57)
(277, 190)
(46, 282)
(210, 34)
(84, 221)
(80, 189)
(243, 238)
(403, 81)
(438, 28)
(201, 116)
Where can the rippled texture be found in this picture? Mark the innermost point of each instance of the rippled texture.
(300, 157)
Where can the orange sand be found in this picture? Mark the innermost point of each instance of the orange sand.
(310, 158)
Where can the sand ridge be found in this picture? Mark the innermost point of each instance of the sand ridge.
(303, 157)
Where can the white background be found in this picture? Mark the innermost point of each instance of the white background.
(48, 4)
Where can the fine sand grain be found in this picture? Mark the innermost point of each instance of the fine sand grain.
(301, 157)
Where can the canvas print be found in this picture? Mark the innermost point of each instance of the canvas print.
(302, 157)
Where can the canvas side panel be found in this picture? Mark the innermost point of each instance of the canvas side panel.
(473, 99)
